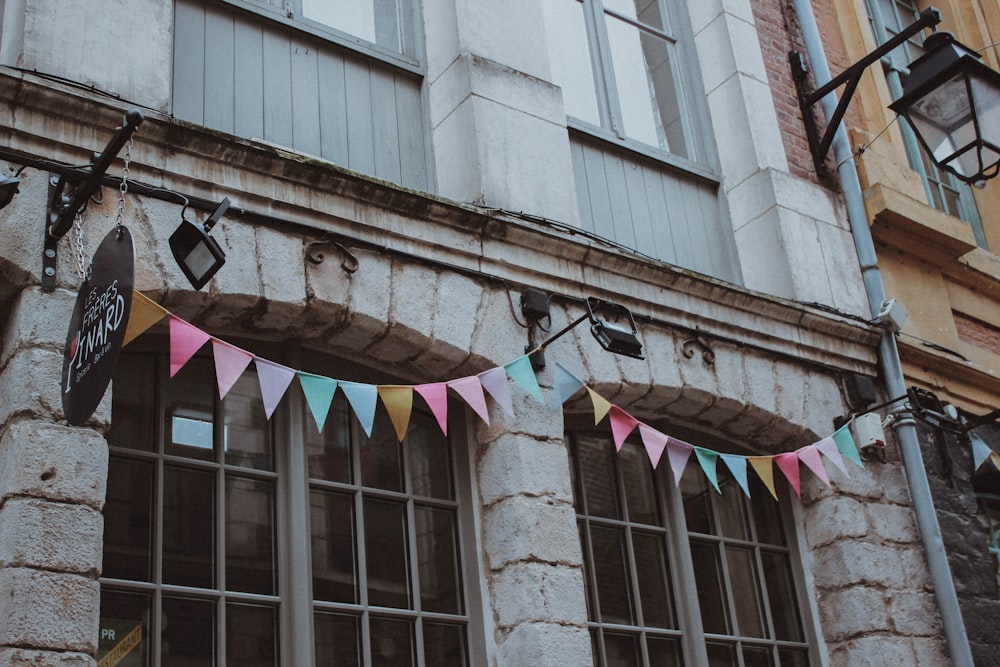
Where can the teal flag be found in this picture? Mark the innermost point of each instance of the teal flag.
(708, 461)
(845, 443)
(521, 372)
(363, 399)
(566, 385)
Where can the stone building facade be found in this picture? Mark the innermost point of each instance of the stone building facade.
(399, 178)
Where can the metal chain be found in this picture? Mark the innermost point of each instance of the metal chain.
(81, 258)
(123, 188)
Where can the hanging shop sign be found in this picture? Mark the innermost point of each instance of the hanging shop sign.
(97, 328)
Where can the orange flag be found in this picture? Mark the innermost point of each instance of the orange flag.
(398, 401)
(144, 314)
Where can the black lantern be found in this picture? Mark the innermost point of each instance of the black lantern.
(620, 337)
(952, 102)
(197, 253)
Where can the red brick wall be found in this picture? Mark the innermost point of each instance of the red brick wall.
(976, 332)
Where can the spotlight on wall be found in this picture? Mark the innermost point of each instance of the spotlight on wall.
(620, 337)
(8, 188)
(196, 252)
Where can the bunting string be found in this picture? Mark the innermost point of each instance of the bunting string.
(275, 380)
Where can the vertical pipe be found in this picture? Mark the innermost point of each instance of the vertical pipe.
(905, 429)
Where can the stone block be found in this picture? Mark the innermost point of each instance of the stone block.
(933, 652)
(852, 562)
(834, 519)
(914, 613)
(31, 383)
(538, 593)
(874, 651)
(38, 319)
(48, 610)
(893, 522)
(53, 462)
(545, 645)
(522, 528)
(20, 657)
(459, 301)
(518, 464)
(854, 611)
(51, 536)
(368, 306)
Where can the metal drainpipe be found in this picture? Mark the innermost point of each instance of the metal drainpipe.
(904, 426)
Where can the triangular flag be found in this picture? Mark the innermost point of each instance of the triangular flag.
(471, 389)
(678, 452)
(274, 380)
(319, 391)
(828, 447)
(230, 362)
(566, 384)
(810, 456)
(185, 340)
(494, 381)
(654, 441)
(788, 463)
(144, 313)
(363, 399)
(709, 460)
(622, 424)
(995, 458)
(738, 466)
(436, 397)
(845, 443)
(763, 466)
(601, 406)
(521, 372)
(398, 401)
(980, 451)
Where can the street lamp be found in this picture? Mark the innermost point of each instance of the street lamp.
(952, 102)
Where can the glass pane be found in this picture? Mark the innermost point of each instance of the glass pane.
(766, 514)
(248, 432)
(781, 594)
(377, 21)
(647, 11)
(333, 544)
(757, 657)
(437, 558)
(186, 631)
(664, 652)
(444, 645)
(251, 636)
(790, 657)
(386, 554)
(721, 655)
(732, 508)
(128, 520)
(654, 582)
(746, 592)
(188, 527)
(711, 588)
(597, 476)
(610, 569)
(124, 629)
(190, 398)
(569, 57)
(392, 642)
(338, 640)
(250, 563)
(382, 456)
(133, 422)
(647, 89)
(430, 460)
(329, 454)
(640, 492)
(697, 505)
(621, 650)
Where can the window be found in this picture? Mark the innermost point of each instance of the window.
(234, 540)
(619, 66)
(989, 515)
(944, 192)
(682, 576)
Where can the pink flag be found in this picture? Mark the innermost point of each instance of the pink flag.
(230, 362)
(810, 456)
(828, 447)
(678, 452)
(654, 441)
(185, 340)
(471, 389)
(274, 380)
(622, 424)
(788, 463)
(436, 397)
(494, 381)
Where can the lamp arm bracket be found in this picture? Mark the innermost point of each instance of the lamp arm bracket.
(849, 78)
(70, 191)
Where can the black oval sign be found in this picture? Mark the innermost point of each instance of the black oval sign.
(98, 326)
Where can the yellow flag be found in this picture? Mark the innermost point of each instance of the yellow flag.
(995, 460)
(398, 401)
(601, 406)
(762, 465)
(144, 314)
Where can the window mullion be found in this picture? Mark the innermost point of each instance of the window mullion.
(608, 105)
(156, 543)
(219, 552)
(682, 574)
